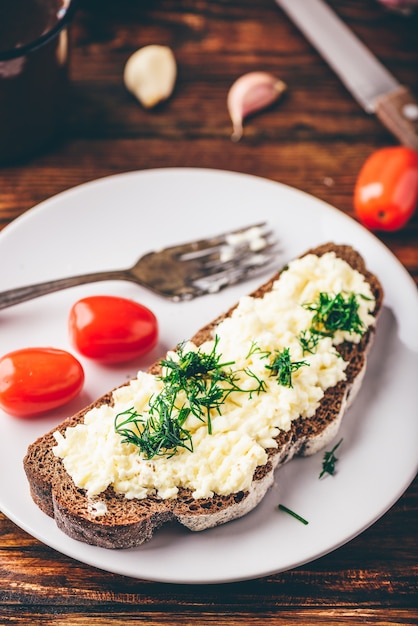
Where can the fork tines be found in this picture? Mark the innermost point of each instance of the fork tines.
(254, 238)
(232, 257)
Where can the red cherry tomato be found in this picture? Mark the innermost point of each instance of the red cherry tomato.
(386, 191)
(112, 329)
(36, 380)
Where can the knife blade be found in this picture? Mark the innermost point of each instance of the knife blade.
(372, 85)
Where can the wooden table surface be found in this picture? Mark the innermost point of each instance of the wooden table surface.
(315, 139)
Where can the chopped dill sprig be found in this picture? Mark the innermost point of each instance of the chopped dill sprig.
(282, 367)
(204, 379)
(194, 383)
(191, 365)
(308, 341)
(160, 434)
(260, 387)
(281, 507)
(255, 349)
(333, 313)
(329, 461)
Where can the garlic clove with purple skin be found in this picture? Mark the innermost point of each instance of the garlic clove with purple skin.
(250, 93)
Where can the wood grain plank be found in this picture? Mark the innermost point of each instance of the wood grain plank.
(330, 617)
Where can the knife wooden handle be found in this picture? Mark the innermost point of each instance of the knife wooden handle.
(398, 111)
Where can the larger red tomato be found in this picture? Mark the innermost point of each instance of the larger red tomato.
(111, 329)
(36, 380)
(386, 191)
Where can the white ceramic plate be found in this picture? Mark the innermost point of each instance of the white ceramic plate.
(108, 224)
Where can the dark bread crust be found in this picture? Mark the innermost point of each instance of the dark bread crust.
(129, 523)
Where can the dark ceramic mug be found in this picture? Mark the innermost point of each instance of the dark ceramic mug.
(34, 56)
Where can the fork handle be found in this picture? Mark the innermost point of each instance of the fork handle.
(29, 292)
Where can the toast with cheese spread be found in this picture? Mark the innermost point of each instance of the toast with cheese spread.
(282, 393)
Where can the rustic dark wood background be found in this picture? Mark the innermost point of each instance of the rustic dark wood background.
(315, 139)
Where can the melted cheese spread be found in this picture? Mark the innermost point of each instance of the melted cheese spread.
(224, 461)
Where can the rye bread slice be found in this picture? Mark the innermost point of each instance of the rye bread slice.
(129, 523)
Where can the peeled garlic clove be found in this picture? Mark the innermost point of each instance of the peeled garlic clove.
(250, 93)
(150, 74)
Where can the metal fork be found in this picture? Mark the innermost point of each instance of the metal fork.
(180, 272)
